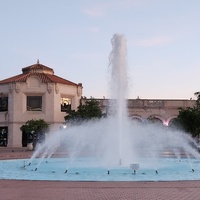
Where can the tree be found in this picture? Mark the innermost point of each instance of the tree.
(85, 112)
(189, 119)
(197, 94)
(36, 130)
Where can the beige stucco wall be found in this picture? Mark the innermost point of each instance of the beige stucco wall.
(163, 109)
(17, 113)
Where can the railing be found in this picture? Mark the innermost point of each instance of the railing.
(149, 103)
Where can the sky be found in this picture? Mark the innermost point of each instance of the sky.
(74, 38)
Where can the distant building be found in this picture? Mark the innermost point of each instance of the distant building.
(35, 94)
(162, 111)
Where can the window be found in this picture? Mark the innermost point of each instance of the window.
(34, 103)
(3, 104)
(65, 104)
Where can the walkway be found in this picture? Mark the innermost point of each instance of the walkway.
(58, 190)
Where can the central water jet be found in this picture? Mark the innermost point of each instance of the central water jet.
(118, 86)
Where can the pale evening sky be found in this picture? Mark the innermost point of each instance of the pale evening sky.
(73, 37)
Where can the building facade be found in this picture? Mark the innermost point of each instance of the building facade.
(161, 110)
(37, 93)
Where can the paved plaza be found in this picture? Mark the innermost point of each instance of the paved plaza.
(73, 190)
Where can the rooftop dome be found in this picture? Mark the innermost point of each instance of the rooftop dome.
(37, 68)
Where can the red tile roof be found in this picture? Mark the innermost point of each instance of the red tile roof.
(45, 73)
(37, 68)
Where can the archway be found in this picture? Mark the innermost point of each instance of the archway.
(172, 123)
(154, 119)
(137, 119)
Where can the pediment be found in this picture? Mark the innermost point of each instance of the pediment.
(33, 82)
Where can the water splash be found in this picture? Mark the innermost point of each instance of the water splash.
(118, 87)
(116, 139)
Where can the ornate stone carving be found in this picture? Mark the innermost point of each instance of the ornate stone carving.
(79, 89)
(11, 88)
(33, 81)
(17, 87)
(56, 88)
(49, 88)
(135, 103)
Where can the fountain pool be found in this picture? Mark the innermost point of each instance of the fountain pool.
(86, 169)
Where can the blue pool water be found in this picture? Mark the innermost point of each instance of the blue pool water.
(85, 169)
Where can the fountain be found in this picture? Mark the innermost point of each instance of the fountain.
(118, 87)
(113, 148)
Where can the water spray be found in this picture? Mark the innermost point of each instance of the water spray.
(24, 164)
(188, 157)
(134, 167)
(118, 86)
(118, 106)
